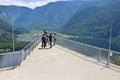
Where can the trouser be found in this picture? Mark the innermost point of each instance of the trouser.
(50, 44)
(43, 44)
(54, 41)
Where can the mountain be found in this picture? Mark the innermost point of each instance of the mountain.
(15, 15)
(51, 16)
(54, 14)
(4, 26)
(7, 27)
(95, 21)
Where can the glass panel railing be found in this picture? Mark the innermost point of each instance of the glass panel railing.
(9, 59)
(27, 50)
(97, 53)
(15, 58)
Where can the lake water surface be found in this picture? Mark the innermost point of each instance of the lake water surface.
(26, 39)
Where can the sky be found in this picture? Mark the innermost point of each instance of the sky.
(28, 3)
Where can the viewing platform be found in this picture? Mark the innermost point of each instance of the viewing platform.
(59, 63)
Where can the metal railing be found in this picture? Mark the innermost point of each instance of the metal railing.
(12, 59)
(97, 53)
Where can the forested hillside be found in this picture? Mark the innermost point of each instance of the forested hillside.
(6, 43)
(95, 21)
(51, 16)
(6, 38)
(5, 25)
(15, 15)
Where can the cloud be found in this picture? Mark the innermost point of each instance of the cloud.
(27, 3)
(11, 2)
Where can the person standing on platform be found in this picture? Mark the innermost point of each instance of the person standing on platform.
(54, 43)
(43, 41)
(50, 40)
(46, 34)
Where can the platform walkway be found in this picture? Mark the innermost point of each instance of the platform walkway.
(59, 63)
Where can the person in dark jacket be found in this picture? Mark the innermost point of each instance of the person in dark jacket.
(46, 34)
(50, 40)
(43, 41)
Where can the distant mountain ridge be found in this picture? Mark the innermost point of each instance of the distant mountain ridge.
(4, 26)
(55, 14)
(14, 14)
(51, 16)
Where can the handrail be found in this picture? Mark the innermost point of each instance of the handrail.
(91, 46)
(97, 53)
(10, 59)
(22, 49)
(30, 43)
(16, 52)
(16, 58)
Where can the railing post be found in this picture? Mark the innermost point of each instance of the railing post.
(86, 50)
(29, 51)
(20, 57)
(99, 55)
(108, 60)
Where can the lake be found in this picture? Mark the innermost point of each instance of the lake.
(102, 43)
(25, 39)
